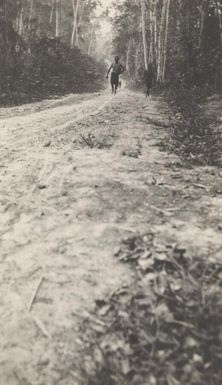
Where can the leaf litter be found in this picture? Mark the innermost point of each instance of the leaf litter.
(163, 329)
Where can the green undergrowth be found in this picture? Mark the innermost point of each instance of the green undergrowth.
(163, 329)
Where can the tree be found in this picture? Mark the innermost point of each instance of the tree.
(143, 25)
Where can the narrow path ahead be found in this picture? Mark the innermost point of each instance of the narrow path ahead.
(78, 175)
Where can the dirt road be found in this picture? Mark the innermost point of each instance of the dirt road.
(77, 175)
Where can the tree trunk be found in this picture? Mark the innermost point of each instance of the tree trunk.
(203, 14)
(219, 10)
(155, 32)
(166, 40)
(52, 12)
(128, 55)
(30, 14)
(74, 36)
(143, 25)
(51, 17)
(136, 62)
(20, 24)
(77, 36)
(81, 13)
(160, 43)
(151, 58)
(73, 25)
(92, 35)
(57, 19)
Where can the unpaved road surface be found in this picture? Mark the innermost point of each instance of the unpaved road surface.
(77, 175)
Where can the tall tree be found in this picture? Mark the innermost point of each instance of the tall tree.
(143, 26)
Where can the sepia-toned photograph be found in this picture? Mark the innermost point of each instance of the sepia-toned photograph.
(110, 192)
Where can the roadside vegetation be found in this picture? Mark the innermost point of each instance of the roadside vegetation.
(179, 44)
(164, 329)
(193, 135)
(47, 49)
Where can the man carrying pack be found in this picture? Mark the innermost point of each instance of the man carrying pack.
(117, 69)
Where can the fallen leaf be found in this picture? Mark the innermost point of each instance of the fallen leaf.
(41, 186)
(146, 254)
(172, 380)
(190, 343)
(47, 144)
(117, 251)
(197, 359)
(149, 277)
(146, 264)
(125, 367)
(161, 257)
(152, 380)
(98, 356)
(104, 310)
(163, 312)
(175, 286)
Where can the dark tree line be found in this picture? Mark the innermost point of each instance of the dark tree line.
(180, 39)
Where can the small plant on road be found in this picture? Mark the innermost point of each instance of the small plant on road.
(99, 140)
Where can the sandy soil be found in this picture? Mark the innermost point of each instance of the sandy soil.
(76, 176)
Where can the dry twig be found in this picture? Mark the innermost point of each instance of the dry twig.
(41, 326)
(35, 293)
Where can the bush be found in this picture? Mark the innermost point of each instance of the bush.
(50, 67)
(193, 135)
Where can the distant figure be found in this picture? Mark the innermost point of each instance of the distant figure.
(149, 78)
(117, 69)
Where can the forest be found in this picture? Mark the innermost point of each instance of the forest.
(180, 40)
(47, 48)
